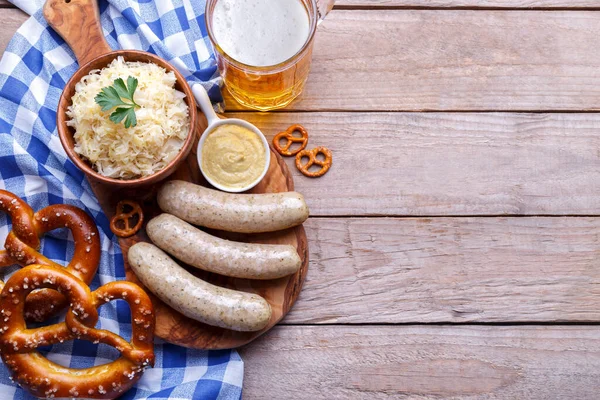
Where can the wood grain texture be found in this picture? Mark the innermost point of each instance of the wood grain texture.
(509, 4)
(459, 270)
(414, 60)
(85, 37)
(10, 21)
(436, 61)
(476, 362)
(452, 3)
(448, 163)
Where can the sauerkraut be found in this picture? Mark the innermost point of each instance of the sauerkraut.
(128, 153)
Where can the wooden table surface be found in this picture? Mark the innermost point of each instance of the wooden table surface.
(455, 243)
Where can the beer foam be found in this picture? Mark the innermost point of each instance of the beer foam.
(260, 32)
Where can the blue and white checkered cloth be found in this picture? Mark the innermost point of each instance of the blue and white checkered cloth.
(33, 165)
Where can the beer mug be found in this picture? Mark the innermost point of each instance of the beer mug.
(264, 47)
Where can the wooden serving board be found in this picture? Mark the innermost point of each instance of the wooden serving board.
(280, 293)
(86, 39)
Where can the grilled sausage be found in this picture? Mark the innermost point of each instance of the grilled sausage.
(194, 297)
(246, 213)
(210, 253)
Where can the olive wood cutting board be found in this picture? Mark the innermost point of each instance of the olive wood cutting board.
(280, 293)
(86, 40)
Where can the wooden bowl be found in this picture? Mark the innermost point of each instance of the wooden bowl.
(66, 133)
(78, 23)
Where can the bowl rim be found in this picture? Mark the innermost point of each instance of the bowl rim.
(65, 131)
(246, 124)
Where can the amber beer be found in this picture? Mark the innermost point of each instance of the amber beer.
(263, 48)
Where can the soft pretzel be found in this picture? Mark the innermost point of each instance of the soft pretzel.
(122, 216)
(23, 243)
(312, 159)
(43, 378)
(22, 218)
(288, 135)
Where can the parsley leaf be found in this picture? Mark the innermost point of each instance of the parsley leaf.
(123, 112)
(112, 96)
(132, 83)
(121, 89)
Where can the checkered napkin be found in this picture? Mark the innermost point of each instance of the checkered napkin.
(33, 72)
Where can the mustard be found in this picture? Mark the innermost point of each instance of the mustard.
(233, 156)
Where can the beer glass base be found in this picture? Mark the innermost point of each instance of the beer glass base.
(265, 104)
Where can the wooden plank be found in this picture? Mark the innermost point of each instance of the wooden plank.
(405, 362)
(388, 270)
(10, 21)
(507, 4)
(510, 4)
(434, 60)
(449, 163)
(414, 60)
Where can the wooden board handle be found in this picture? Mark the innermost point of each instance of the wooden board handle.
(78, 23)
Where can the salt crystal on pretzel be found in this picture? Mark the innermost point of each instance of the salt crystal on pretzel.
(43, 378)
(23, 242)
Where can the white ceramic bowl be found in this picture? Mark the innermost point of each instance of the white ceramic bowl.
(213, 122)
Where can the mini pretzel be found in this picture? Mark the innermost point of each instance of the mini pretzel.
(122, 216)
(23, 243)
(312, 159)
(291, 139)
(43, 378)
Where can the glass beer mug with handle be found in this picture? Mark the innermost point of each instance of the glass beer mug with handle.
(264, 47)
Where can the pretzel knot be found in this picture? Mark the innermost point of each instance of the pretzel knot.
(313, 160)
(43, 378)
(288, 135)
(23, 242)
(125, 217)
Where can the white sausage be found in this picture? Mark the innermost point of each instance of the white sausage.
(246, 213)
(201, 250)
(194, 297)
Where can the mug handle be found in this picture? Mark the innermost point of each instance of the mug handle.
(323, 8)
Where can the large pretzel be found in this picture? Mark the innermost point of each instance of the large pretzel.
(23, 242)
(43, 378)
